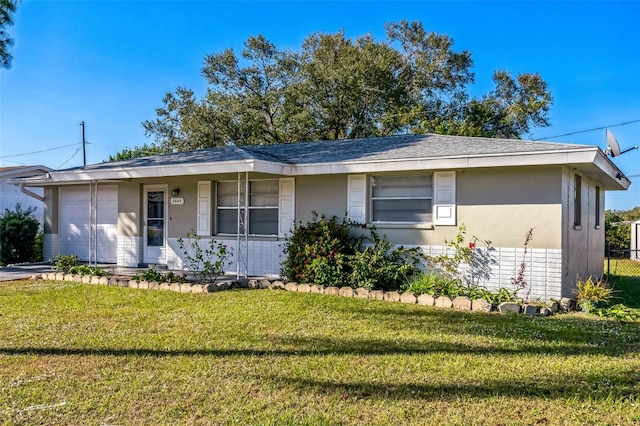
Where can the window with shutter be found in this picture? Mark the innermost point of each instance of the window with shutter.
(203, 220)
(444, 204)
(286, 206)
(402, 199)
(263, 207)
(357, 198)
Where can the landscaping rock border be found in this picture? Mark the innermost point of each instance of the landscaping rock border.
(459, 303)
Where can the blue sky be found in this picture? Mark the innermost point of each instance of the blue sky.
(109, 63)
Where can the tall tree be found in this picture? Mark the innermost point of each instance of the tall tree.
(7, 9)
(335, 87)
(137, 152)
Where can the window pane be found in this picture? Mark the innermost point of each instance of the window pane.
(155, 232)
(155, 204)
(227, 194)
(227, 221)
(402, 210)
(263, 221)
(263, 193)
(402, 186)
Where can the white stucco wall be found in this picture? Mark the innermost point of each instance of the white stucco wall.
(10, 195)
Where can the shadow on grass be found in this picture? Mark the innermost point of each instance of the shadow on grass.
(570, 334)
(320, 345)
(621, 385)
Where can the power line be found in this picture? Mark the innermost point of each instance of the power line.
(44, 134)
(37, 152)
(69, 159)
(589, 130)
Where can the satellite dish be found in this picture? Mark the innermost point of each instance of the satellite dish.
(613, 148)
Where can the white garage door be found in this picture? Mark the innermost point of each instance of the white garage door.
(74, 222)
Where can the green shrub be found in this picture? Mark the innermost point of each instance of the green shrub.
(383, 266)
(438, 283)
(89, 270)
(64, 262)
(619, 312)
(38, 246)
(152, 274)
(18, 231)
(502, 295)
(435, 283)
(318, 252)
(206, 264)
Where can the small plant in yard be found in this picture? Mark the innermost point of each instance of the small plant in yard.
(152, 274)
(383, 266)
(64, 262)
(519, 282)
(461, 254)
(89, 270)
(619, 312)
(590, 293)
(500, 296)
(205, 263)
(435, 283)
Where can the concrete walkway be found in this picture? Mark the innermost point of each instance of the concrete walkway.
(21, 272)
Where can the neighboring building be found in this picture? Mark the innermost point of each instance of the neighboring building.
(10, 195)
(416, 189)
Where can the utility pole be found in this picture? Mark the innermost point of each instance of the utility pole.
(84, 147)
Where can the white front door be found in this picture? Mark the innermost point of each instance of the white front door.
(155, 224)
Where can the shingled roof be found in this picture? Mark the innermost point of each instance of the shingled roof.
(346, 150)
(366, 155)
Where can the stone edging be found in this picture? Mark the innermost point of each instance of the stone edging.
(461, 302)
(145, 285)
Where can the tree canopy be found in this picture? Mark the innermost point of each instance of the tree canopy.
(137, 152)
(7, 9)
(617, 225)
(334, 87)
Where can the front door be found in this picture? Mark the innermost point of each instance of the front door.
(155, 224)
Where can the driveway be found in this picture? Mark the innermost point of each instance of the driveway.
(10, 273)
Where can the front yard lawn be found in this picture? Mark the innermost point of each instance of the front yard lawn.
(82, 354)
(625, 280)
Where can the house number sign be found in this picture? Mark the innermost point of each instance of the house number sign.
(175, 201)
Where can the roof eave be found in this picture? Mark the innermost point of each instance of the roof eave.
(589, 160)
(121, 173)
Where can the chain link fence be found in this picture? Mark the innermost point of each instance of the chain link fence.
(623, 262)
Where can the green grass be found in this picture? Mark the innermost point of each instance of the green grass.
(81, 354)
(625, 280)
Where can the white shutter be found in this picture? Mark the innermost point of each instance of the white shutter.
(286, 205)
(204, 208)
(444, 198)
(357, 198)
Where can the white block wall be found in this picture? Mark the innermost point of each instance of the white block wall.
(264, 258)
(128, 251)
(543, 270)
(50, 246)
